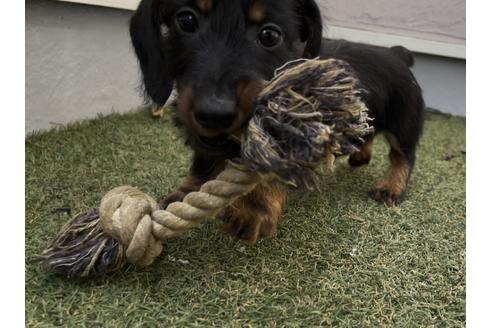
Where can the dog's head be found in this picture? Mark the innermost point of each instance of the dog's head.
(218, 53)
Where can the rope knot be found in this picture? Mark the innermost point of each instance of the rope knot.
(126, 215)
(135, 220)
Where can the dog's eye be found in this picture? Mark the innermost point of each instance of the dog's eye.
(187, 21)
(270, 36)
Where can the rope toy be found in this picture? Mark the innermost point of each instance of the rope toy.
(308, 114)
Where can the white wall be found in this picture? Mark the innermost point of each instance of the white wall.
(436, 27)
(79, 62)
(436, 20)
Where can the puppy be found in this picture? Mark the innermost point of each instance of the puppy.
(218, 53)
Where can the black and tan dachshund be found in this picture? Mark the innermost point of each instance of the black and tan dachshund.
(217, 53)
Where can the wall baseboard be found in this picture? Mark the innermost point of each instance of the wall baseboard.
(120, 4)
(386, 40)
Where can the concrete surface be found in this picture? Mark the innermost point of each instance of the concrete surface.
(79, 63)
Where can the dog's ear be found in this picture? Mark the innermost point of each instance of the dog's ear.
(311, 27)
(150, 48)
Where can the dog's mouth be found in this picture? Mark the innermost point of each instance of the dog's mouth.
(219, 143)
(224, 141)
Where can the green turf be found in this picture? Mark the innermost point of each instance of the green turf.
(338, 258)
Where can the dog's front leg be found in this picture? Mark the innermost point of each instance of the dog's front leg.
(255, 215)
(250, 217)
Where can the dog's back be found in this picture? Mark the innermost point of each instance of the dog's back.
(394, 96)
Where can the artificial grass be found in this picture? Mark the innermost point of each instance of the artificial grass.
(338, 258)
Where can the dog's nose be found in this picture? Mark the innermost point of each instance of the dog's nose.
(215, 112)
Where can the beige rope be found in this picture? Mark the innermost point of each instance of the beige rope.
(324, 118)
(135, 220)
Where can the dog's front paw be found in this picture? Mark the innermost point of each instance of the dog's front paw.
(387, 195)
(249, 226)
(358, 159)
(255, 215)
(363, 156)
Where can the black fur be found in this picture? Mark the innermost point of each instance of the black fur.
(224, 52)
(394, 97)
(151, 50)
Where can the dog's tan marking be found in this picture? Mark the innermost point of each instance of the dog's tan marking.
(363, 156)
(247, 93)
(394, 184)
(185, 104)
(205, 5)
(256, 13)
(255, 215)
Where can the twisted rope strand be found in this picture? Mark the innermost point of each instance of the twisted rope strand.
(135, 220)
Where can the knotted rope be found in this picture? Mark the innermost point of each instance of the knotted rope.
(134, 218)
(309, 113)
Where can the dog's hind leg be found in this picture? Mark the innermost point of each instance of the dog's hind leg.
(391, 189)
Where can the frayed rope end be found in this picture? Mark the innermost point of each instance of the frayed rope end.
(82, 249)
